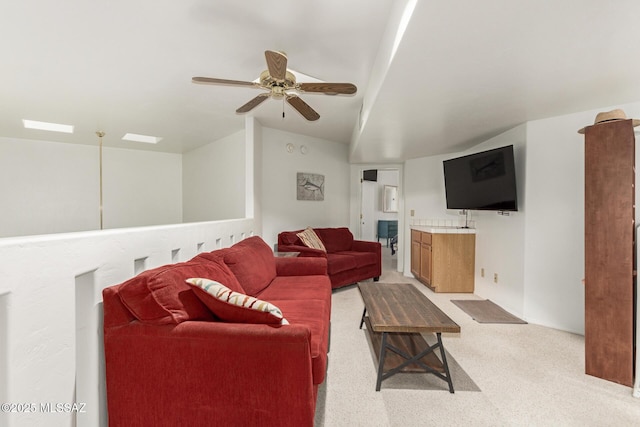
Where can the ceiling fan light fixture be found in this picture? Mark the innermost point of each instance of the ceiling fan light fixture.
(53, 127)
(278, 80)
(141, 138)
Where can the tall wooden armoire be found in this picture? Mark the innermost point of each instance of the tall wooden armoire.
(609, 250)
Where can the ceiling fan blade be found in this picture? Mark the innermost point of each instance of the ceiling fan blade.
(276, 63)
(302, 107)
(211, 80)
(253, 103)
(328, 88)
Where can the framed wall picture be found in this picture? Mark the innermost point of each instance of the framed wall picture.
(309, 186)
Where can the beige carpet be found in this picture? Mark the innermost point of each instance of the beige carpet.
(485, 311)
(529, 375)
(417, 381)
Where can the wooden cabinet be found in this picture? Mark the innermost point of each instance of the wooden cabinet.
(445, 262)
(415, 253)
(609, 251)
(426, 256)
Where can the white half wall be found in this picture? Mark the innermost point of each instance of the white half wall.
(51, 309)
(280, 209)
(213, 180)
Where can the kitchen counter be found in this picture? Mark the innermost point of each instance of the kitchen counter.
(435, 229)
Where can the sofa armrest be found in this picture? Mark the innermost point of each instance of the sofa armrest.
(364, 246)
(192, 373)
(305, 251)
(301, 266)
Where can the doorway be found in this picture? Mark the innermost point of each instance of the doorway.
(367, 223)
(379, 221)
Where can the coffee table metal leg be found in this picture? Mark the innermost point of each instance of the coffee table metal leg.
(362, 320)
(444, 363)
(383, 354)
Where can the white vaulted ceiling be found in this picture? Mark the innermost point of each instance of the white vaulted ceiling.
(461, 72)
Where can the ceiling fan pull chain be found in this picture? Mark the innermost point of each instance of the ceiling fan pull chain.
(283, 107)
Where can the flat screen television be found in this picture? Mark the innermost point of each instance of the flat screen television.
(482, 181)
(370, 175)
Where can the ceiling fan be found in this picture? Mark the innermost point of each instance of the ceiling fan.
(278, 82)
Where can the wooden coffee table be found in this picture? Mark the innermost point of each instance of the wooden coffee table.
(397, 315)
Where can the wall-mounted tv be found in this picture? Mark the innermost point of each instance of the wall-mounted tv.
(482, 181)
(370, 175)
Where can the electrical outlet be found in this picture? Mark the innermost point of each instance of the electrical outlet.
(482, 272)
(495, 277)
(413, 212)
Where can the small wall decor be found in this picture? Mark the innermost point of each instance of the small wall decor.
(309, 186)
(390, 199)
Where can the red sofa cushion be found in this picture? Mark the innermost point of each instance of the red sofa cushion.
(253, 263)
(301, 266)
(161, 296)
(362, 259)
(315, 315)
(337, 263)
(335, 239)
(232, 306)
(298, 288)
(223, 275)
(289, 238)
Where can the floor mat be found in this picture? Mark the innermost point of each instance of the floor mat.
(485, 311)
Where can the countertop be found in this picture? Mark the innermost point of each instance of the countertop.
(435, 229)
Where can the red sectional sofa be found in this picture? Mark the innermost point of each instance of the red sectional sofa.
(348, 260)
(170, 361)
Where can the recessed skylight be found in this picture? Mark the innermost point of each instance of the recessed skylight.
(54, 127)
(142, 138)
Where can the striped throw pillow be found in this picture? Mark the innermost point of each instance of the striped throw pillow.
(235, 307)
(311, 239)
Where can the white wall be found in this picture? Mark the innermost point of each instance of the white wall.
(554, 262)
(50, 302)
(50, 187)
(214, 180)
(538, 252)
(424, 189)
(141, 188)
(499, 239)
(554, 265)
(253, 208)
(47, 187)
(280, 209)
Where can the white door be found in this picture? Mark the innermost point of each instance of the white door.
(367, 211)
